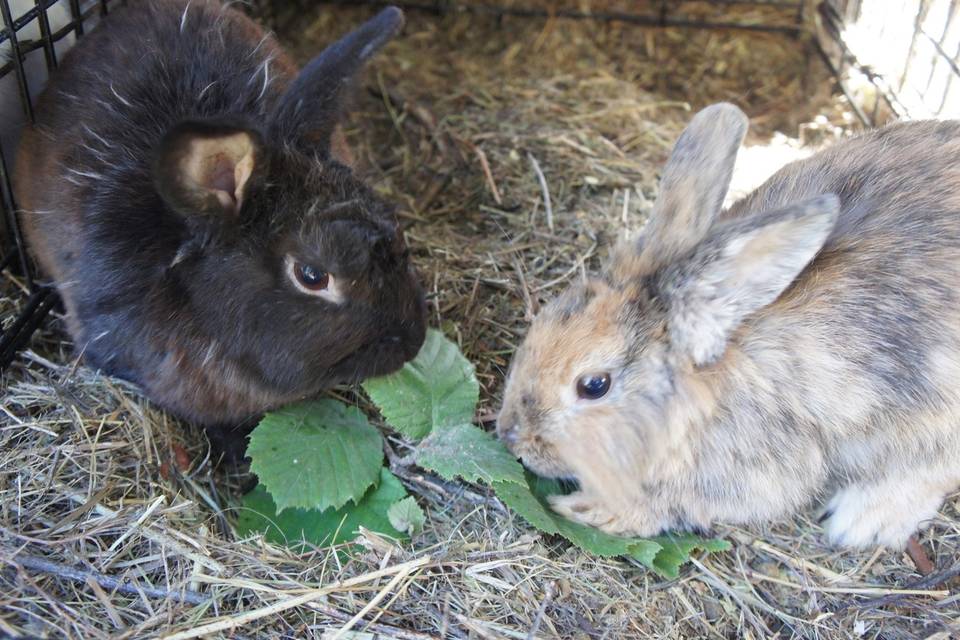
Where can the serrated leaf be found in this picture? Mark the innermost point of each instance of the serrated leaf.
(664, 554)
(521, 499)
(645, 552)
(468, 452)
(316, 455)
(407, 516)
(437, 388)
(329, 527)
(676, 549)
(533, 507)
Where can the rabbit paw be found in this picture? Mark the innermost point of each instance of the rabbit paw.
(886, 514)
(588, 509)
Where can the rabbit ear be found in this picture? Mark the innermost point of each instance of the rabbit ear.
(311, 107)
(740, 268)
(205, 169)
(695, 180)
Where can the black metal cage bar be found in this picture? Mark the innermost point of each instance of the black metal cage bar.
(787, 17)
(908, 50)
(30, 44)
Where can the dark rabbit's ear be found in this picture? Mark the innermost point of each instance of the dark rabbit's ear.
(205, 170)
(695, 180)
(311, 108)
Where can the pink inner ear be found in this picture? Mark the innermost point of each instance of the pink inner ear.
(221, 166)
(220, 174)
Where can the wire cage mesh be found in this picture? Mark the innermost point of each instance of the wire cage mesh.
(907, 51)
(35, 35)
(916, 73)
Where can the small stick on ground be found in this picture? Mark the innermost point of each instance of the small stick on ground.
(529, 302)
(487, 173)
(551, 592)
(127, 587)
(797, 563)
(547, 204)
(929, 582)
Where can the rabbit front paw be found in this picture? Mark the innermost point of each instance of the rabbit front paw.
(886, 514)
(591, 510)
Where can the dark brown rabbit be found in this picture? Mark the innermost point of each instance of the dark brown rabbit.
(737, 365)
(187, 192)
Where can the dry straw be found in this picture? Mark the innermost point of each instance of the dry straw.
(517, 150)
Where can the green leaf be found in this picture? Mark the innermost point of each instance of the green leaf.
(333, 526)
(437, 388)
(468, 452)
(676, 549)
(316, 455)
(530, 501)
(407, 516)
(522, 499)
(664, 554)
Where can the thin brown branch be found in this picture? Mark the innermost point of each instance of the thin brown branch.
(128, 587)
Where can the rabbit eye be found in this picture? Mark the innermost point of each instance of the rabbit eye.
(313, 280)
(311, 277)
(593, 386)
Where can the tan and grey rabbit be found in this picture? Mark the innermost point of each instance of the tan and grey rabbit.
(737, 365)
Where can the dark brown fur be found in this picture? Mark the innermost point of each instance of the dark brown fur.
(192, 302)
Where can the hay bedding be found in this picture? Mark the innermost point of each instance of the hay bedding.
(115, 523)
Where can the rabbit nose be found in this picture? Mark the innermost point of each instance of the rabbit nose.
(508, 432)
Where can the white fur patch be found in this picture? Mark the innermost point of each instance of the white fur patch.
(887, 513)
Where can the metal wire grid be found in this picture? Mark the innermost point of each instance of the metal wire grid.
(936, 39)
(18, 18)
